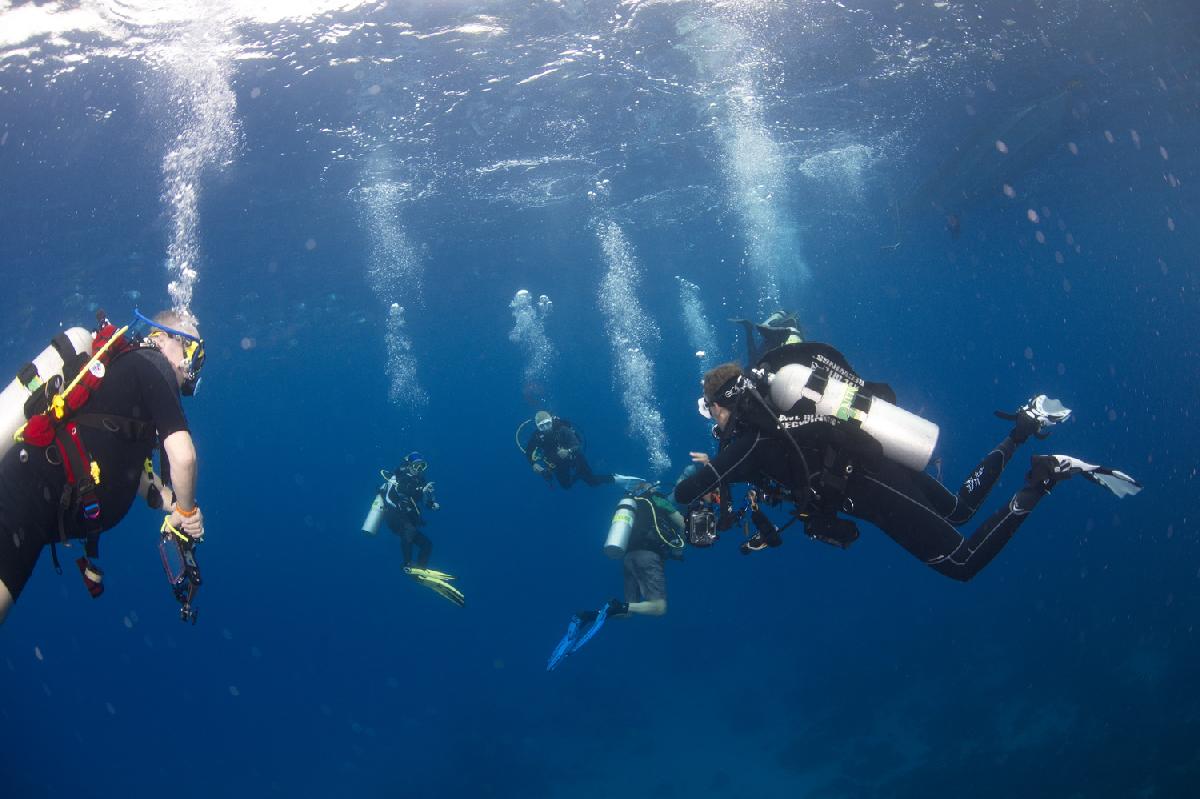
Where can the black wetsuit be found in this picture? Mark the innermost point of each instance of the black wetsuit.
(137, 405)
(568, 469)
(911, 507)
(402, 501)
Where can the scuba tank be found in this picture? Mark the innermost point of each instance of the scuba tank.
(905, 437)
(370, 525)
(48, 364)
(621, 528)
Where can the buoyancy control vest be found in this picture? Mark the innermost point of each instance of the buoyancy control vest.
(55, 406)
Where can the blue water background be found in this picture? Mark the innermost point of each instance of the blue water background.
(1065, 669)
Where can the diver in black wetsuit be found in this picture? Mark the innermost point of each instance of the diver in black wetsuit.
(404, 493)
(137, 408)
(781, 327)
(830, 467)
(555, 448)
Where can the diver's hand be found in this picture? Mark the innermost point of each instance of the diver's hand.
(564, 453)
(193, 525)
(539, 468)
(700, 458)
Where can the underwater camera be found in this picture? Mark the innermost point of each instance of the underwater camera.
(701, 525)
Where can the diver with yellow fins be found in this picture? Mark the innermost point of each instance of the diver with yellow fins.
(399, 501)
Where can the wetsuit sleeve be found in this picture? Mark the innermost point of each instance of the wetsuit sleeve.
(160, 393)
(735, 463)
(533, 444)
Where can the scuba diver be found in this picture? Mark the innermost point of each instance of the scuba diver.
(74, 455)
(646, 531)
(399, 502)
(555, 451)
(781, 327)
(803, 424)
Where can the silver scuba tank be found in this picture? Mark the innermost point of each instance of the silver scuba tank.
(621, 528)
(370, 525)
(905, 437)
(47, 364)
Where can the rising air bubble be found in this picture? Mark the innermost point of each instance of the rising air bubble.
(198, 63)
(701, 336)
(529, 333)
(403, 388)
(631, 333)
(393, 272)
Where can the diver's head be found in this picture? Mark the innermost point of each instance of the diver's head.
(177, 337)
(642, 488)
(544, 421)
(414, 464)
(722, 386)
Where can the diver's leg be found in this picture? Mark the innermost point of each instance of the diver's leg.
(6, 601)
(563, 474)
(897, 508)
(975, 489)
(18, 556)
(424, 548)
(632, 591)
(407, 535)
(584, 471)
(644, 574)
(1033, 418)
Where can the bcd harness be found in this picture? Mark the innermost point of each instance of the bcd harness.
(55, 414)
(402, 488)
(818, 494)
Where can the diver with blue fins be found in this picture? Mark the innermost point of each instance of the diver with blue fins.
(801, 425)
(398, 502)
(646, 531)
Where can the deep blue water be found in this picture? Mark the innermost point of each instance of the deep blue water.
(346, 158)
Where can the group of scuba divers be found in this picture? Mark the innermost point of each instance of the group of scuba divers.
(802, 431)
(81, 423)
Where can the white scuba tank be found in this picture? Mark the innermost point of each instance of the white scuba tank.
(621, 528)
(48, 363)
(370, 525)
(905, 437)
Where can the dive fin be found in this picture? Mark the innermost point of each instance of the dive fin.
(438, 582)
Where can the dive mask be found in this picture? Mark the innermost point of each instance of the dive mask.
(193, 351)
(415, 464)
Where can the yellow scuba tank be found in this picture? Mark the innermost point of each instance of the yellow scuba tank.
(48, 364)
(620, 529)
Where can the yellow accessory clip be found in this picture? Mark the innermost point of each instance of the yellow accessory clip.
(58, 403)
(167, 527)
